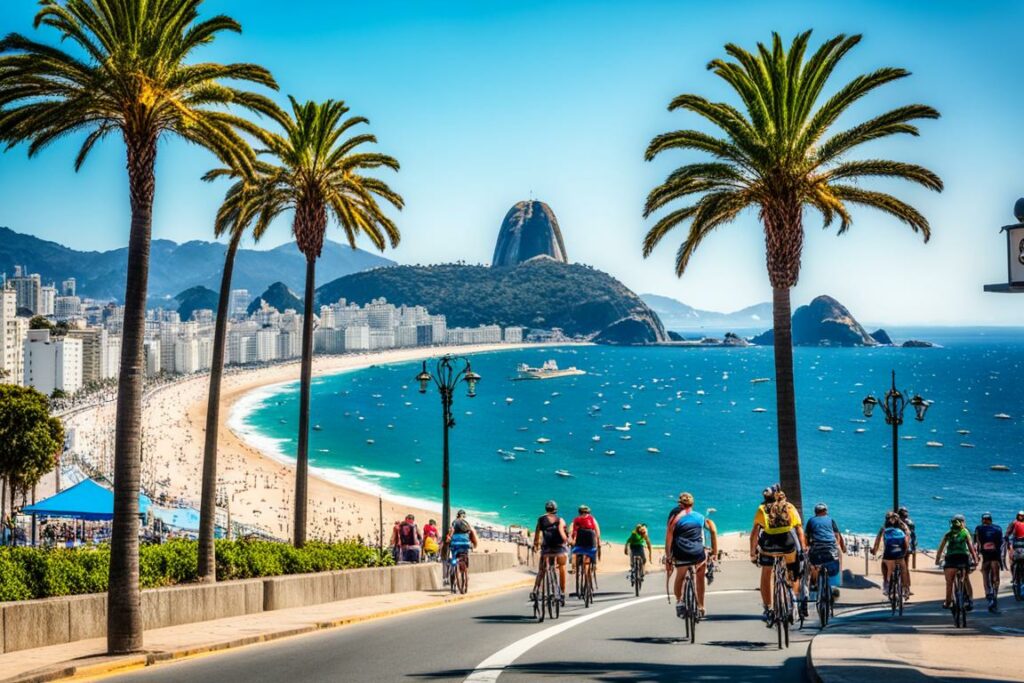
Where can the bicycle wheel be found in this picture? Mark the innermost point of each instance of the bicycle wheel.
(453, 578)
(1018, 581)
(824, 596)
(640, 574)
(634, 577)
(588, 585)
(463, 577)
(690, 600)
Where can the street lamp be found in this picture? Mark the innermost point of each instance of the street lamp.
(446, 376)
(893, 406)
(1014, 255)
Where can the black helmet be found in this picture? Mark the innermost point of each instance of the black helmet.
(584, 509)
(903, 510)
(819, 508)
(460, 513)
(551, 506)
(986, 515)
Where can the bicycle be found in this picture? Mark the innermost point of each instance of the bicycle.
(825, 604)
(782, 600)
(896, 593)
(959, 604)
(1017, 573)
(585, 580)
(690, 613)
(636, 572)
(549, 597)
(458, 574)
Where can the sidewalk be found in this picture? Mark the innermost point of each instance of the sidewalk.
(868, 644)
(87, 657)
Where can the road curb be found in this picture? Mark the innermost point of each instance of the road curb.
(105, 665)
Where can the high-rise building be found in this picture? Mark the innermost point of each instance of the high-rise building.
(405, 335)
(513, 335)
(47, 300)
(27, 290)
(112, 357)
(186, 356)
(12, 336)
(94, 358)
(53, 363)
(238, 303)
(154, 364)
(67, 307)
(357, 338)
(266, 345)
(68, 287)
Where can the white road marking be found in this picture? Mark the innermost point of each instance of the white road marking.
(489, 669)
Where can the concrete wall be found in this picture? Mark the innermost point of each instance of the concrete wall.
(37, 623)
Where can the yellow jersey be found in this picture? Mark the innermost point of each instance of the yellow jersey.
(761, 519)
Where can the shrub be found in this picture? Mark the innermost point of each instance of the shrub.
(27, 573)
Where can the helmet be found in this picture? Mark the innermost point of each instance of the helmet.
(584, 509)
(903, 510)
(551, 506)
(433, 521)
(819, 508)
(1020, 513)
(960, 518)
(986, 515)
(955, 521)
(460, 513)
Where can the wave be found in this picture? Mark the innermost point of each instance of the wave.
(374, 473)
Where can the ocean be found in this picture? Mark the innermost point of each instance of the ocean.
(696, 421)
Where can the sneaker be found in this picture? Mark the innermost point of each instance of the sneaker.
(768, 617)
(562, 601)
(701, 613)
(885, 586)
(835, 593)
(946, 604)
(533, 596)
(680, 609)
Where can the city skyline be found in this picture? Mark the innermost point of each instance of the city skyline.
(475, 136)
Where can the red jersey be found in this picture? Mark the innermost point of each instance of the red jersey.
(1016, 529)
(584, 522)
(429, 531)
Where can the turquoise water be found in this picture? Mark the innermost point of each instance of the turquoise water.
(699, 408)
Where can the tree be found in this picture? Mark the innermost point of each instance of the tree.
(233, 218)
(316, 172)
(780, 156)
(40, 322)
(127, 71)
(30, 440)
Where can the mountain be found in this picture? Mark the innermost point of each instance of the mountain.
(530, 230)
(679, 316)
(195, 298)
(823, 322)
(541, 293)
(176, 267)
(277, 296)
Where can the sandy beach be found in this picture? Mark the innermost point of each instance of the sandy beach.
(260, 489)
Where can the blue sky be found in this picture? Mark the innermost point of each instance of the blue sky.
(486, 102)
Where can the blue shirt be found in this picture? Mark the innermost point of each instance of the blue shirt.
(822, 530)
(688, 534)
(989, 539)
(893, 540)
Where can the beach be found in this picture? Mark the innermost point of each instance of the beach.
(258, 489)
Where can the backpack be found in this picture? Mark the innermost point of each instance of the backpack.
(460, 526)
(550, 533)
(407, 533)
(777, 514)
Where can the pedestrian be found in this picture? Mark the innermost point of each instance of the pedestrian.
(410, 539)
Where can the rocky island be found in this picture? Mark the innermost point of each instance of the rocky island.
(826, 322)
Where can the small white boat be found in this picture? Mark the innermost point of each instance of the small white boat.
(924, 466)
(999, 468)
(641, 422)
(623, 428)
(370, 442)
(523, 429)
(408, 403)
(652, 449)
(282, 421)
(967, 445)
(859, 430)
(509, 399)
(626, 406)
(824, 428)
(858, 420)
(625, 437)
(556, 393)
(543, 440)
(391, 426)
(1002, 416)
(700, 392)
(759, 380)
(519, 449)
(538, 451)
(759, 410)
(508, 457)
(595, 439)
(563, 473)
(317, 428)
(543, 419)
(908, 437)
(609, 452)
(933, 444)
(419, 460)
(963, 432)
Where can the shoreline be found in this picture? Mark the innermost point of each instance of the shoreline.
(258, 487)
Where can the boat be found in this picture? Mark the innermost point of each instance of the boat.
(543, 439)
(508, 457)
(538, 451)
(963, 432)
(563, 473)
(370, 442)
(317, 428)
(626, 406)
(549, 370)
(859, 430)
(641, 422)
(519, 449)
(967, 445)
(1002, 416)
(595, 439)
(652, 449)
(609, 452)
(625, 437)
(759, 380)
(623, 428)
(509, 399)
(759, 410)
(933, 444)
(523, 429)
(923, 466)
(419, 460)
(555, 393)
(999, 468)
(824, 428)
(282, 421)
(908, 437)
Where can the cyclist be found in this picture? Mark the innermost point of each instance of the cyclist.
(461, 537)
(410, 539)
(635, 543)
(824, 546)
(777, 532)
(895, 544)
(959, 555)
(549, 539)
(1015, 540)
(988, 542)
(911, 528)
(684, 541)
(431, 539)
(585, 539)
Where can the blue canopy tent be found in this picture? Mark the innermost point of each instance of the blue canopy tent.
(85, 500)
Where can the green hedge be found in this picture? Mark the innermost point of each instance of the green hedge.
(27, 573)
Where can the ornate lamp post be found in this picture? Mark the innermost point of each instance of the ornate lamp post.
(893, 406)
(1014, 255)
(446, 376)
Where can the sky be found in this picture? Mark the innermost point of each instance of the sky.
(488, 103)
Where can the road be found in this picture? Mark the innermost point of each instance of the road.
(619, 638)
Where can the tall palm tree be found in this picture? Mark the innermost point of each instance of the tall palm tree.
(316, 170)
(233, 218)
(127, 72)
(779, 155)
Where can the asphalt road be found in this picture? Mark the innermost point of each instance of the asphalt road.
(619, 638)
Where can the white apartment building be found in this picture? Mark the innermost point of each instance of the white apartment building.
(405, 336)
(67, 307)
(12, 337)
(238, 303)
(267, 345)
(513, 335)
(112, 357)
(52, 364)
(289, 344)
(94, 346)
(186, 356)
(47, 300)
(382, 339)
(152, 350)
(357, 338)
(26, 288)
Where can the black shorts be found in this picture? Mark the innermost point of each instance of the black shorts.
(689, 559)
(822, 554)
(991, 556)
(772, 545)
(957, 562)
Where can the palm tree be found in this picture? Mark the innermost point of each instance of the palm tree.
(779, 155)
(316, 171)
(233, 218)
(127, 74)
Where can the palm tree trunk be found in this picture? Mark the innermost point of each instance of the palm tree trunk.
(208, 502)
(124, 600)
(785, 397)
(302, 457)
